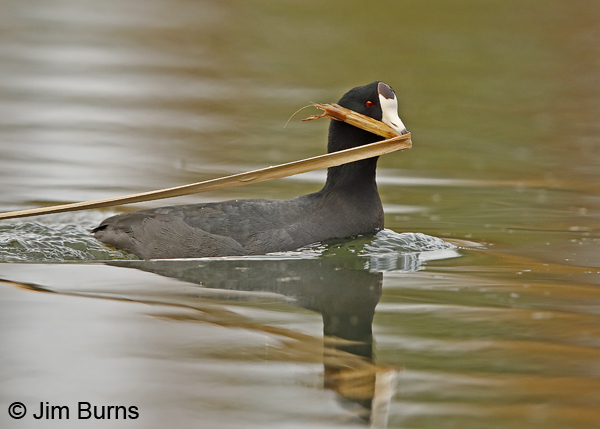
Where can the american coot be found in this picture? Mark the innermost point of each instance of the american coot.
(347, 205)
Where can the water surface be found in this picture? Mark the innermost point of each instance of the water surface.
(477, 307)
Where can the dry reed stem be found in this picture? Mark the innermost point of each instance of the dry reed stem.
(393, 142)
(339, 113)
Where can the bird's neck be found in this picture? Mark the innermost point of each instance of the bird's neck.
(354, 177)
(357, 176)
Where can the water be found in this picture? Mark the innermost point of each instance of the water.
(478, 306)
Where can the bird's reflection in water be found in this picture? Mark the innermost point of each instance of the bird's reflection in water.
(337, 284)
(342, 282)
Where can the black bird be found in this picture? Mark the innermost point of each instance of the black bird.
(348, 204)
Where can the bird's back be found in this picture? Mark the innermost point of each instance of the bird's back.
(236, 227)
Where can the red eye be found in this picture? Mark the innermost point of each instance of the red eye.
(369, 103)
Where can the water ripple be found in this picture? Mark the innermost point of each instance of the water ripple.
(53, 242)
(67, 238)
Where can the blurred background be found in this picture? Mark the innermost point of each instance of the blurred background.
(99, 99)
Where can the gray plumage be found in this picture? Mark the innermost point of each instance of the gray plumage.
(348, 205)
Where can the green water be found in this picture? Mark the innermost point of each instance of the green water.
(488, 318)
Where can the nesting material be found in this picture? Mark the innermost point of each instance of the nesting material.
(393, 142)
